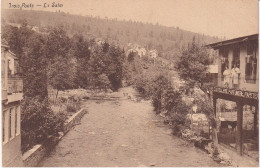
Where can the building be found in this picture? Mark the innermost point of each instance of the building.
(153, 54)
(235, 94)
(36, 29)
(136, 48)
(212, 73)
(12, 87)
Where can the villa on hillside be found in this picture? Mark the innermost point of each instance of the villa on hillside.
(135, 48)
(12, 94)
(153, 53)
(235, 94)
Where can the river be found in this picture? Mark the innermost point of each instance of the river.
(123, 132)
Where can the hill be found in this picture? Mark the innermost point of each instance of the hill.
(166, 40)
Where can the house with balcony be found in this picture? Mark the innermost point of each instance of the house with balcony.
(12, 94)
(235, 94)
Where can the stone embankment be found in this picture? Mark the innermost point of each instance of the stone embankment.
(32, 157)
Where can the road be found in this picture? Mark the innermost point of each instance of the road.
(123, 132)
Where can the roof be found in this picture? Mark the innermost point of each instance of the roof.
(12, 55)
(4, 43)
(233, 41)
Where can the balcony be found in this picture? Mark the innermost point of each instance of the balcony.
(242, 84)
(14, 91)
(15, 85)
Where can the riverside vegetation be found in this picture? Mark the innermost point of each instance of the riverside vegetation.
(62, 60)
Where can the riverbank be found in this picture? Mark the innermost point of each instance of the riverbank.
(123, 132)
(32, 157)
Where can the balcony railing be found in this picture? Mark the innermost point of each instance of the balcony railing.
(239, 83)
(15, 85)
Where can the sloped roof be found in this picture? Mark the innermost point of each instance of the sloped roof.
(233, 41)
(4, 43)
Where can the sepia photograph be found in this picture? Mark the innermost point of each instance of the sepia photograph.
(130, 83)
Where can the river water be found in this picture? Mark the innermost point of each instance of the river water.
(123, 132)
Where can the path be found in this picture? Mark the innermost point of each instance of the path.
(123, 133)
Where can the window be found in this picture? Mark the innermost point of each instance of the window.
(3, 126)
(18, 120)
(251, 63)
(9, 124)
(6, 125)
(236, 57)
(223, 59)
(13, 122)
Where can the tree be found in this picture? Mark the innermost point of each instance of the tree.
(114, 60)
(96, 66)
(34, 66)
(59, 76)
(131, 56)
(82, 55)
(58, 42)
(192, 67)
(160, 84)
(193, 63)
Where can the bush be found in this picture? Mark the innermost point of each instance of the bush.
(178, 123)
(172, 99)
(73, 105)
(160, 85)
(72, 108)
(38, 122)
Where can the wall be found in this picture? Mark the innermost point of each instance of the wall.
(243, 53)
(11, 144)
(32, 157)
(11, 153)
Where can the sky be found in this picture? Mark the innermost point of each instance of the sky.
(222, 18)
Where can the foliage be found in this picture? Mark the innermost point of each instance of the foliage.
(38, 122)
(160, 84)
(193, 63)
(178, 122)
(149, 35)
(73, 104)
(103, 82)
(80, 46)
(58, 43)
(34, 67)
(172, 100)
(204, 104)
(106, 62)
(60, 76)
(114, 66)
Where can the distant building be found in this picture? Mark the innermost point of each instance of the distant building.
(36, 29)
(141, 51)
(136, 48)
(15, 25)
(12, 87)
(153, 54)
(99, 41)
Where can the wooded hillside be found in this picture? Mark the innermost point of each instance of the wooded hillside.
(166, 40)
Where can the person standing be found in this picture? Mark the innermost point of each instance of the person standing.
(235, 75)
(227, 76)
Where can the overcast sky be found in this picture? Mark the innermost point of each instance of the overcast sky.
(230, 18)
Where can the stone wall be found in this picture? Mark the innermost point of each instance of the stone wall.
(32, 157)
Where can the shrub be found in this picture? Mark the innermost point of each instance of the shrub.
(172, 99)
(63, 99)
(160, 84)
(73, 105)
(38, 122)
(178, 123)
(71, 108)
